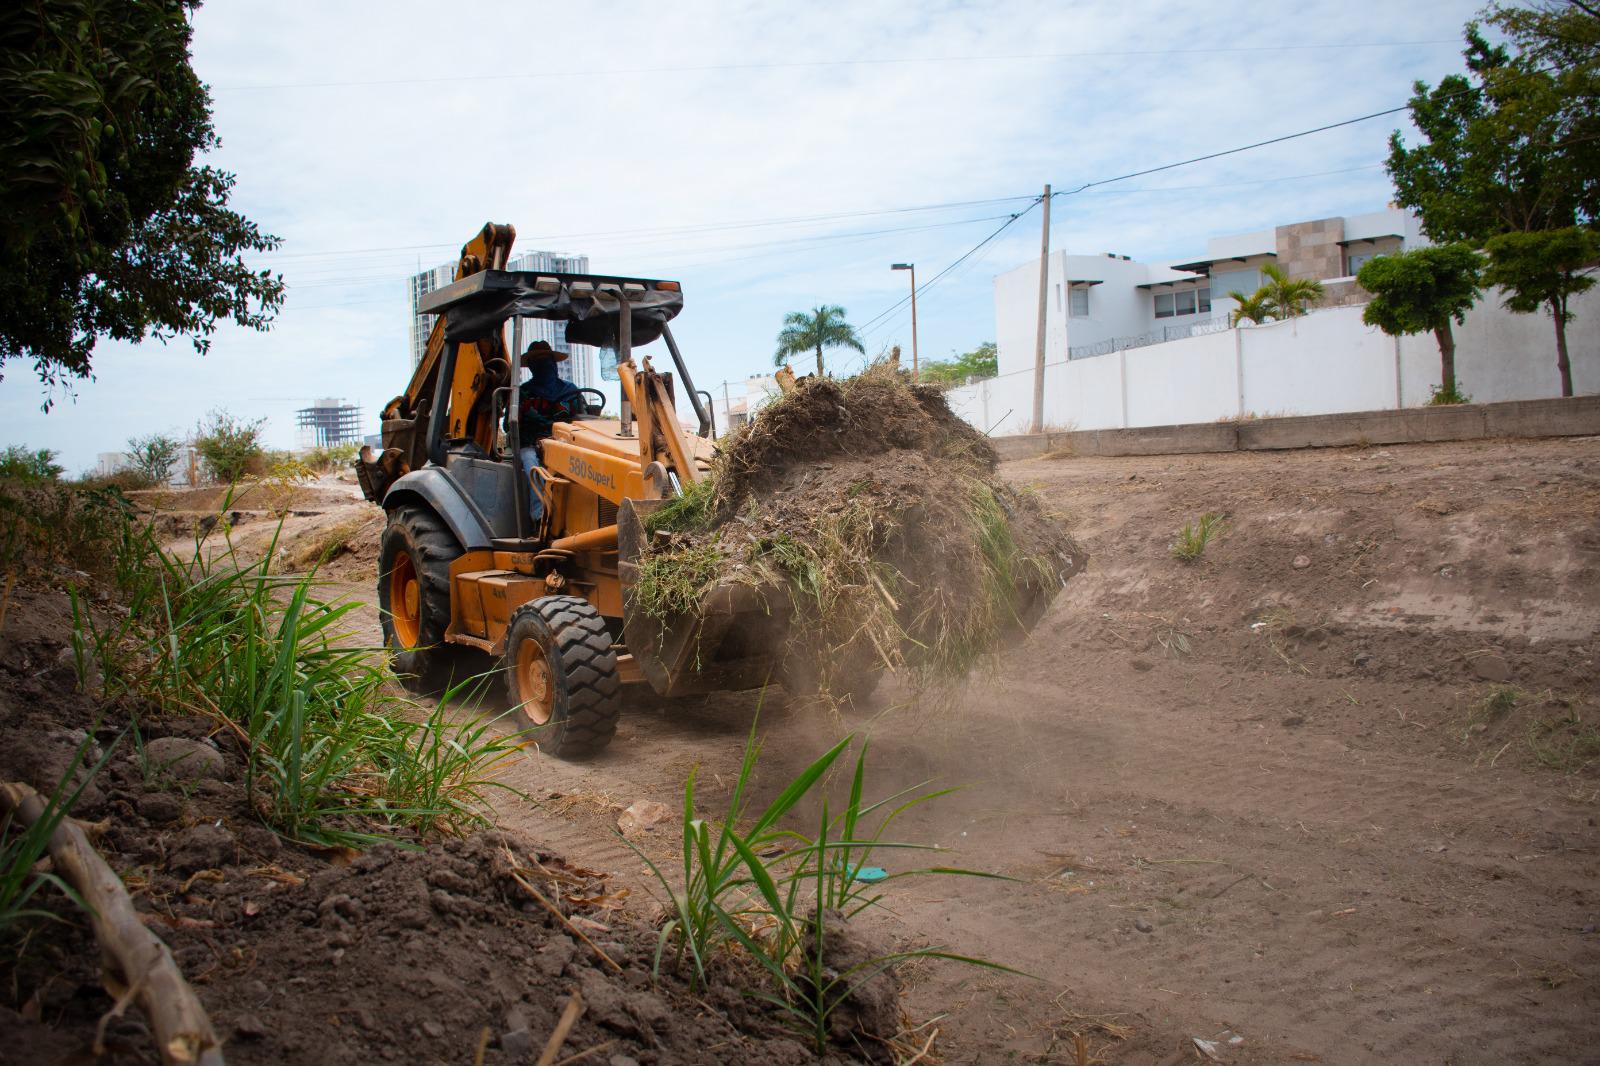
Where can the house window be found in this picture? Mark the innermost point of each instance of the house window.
(1184, 302)
(1164, 305)
(1356, 261)
(1080, 301)
(1205, 300)
(1058, 297)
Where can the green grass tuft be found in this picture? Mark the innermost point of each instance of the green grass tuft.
(1195, 536)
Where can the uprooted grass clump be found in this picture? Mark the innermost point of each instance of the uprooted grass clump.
(875, 520)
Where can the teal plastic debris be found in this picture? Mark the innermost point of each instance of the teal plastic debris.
(869, 874)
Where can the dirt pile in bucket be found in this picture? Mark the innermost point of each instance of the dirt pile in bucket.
(878, 518)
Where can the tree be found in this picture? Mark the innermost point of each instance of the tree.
(153, 457)
(1288, 296)
(1420, 291)
(821, 327)
(30, 465)
(1515, 143)
(982, 362)
(1257, 307)
(229, 446)
(1543, 269)
(107, 228)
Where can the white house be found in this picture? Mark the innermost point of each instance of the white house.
(1096, 305)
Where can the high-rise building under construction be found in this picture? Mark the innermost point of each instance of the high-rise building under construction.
(581, 367)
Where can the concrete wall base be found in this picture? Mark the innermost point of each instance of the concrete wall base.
(1575, 416)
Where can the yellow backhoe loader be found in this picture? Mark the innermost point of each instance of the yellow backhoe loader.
(464, 563)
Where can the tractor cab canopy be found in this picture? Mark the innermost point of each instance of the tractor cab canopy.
(590, 304)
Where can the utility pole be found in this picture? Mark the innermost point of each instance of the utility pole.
(727, 408)
(1044, 293)
(915, 369)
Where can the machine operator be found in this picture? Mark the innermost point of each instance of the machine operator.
(544, 399)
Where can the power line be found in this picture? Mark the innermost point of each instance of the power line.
(931, 282)
(668, 230)
(820, 63)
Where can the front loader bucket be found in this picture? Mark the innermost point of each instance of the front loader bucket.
(732, 642)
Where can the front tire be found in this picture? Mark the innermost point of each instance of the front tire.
(414, 560)
(561, 675)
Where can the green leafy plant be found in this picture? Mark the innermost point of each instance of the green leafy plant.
(1289, 296)
(334, 755)
(230, 447)
(1257, 307)
(1422, 291)
(29, 465)
(1545, 269)
(1195, 536)
(780, 895)
(154, 456)
(1440, 396)
(328, 457)
(982, 362)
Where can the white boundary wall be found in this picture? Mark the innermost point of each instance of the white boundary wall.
(1327, 362)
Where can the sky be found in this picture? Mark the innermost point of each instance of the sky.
(770, 156)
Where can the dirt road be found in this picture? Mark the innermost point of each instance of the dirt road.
(1330, 789)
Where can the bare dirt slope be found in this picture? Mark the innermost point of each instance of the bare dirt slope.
(1331, 788)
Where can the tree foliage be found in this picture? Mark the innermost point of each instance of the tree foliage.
(229, 446)
(1422, 291)
(1253, 307)
(108, 227)
(982, 362)
(1288, 296)
(153, 456)
(30, 465)
(1514, 144)
(1543, 270)
(812, 331)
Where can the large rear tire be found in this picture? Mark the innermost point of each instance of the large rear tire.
(414, 560)
(561, 675)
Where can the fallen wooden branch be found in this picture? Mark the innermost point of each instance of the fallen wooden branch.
(135, 959)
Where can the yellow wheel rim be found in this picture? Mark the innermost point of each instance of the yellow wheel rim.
(405, 601)
(534, 688)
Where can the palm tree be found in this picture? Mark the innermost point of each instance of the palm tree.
(1256, 308)
(1289, 298)
(821, 327)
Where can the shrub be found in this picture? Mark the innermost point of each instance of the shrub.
(29, 465)
(153, 457)
(332, 457)
(229, 446)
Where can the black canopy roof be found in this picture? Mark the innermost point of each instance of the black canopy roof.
(476, 306)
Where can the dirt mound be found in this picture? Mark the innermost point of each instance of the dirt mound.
(879, 513)
(302, 956)
(266, 496)
(857, 417)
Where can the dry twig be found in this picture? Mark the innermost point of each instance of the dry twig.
(135, 959)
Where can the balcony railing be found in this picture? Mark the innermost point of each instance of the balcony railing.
(1216, 324)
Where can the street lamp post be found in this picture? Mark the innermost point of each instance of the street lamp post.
(915, 369)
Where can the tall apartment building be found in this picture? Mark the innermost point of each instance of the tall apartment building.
(582, 364)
